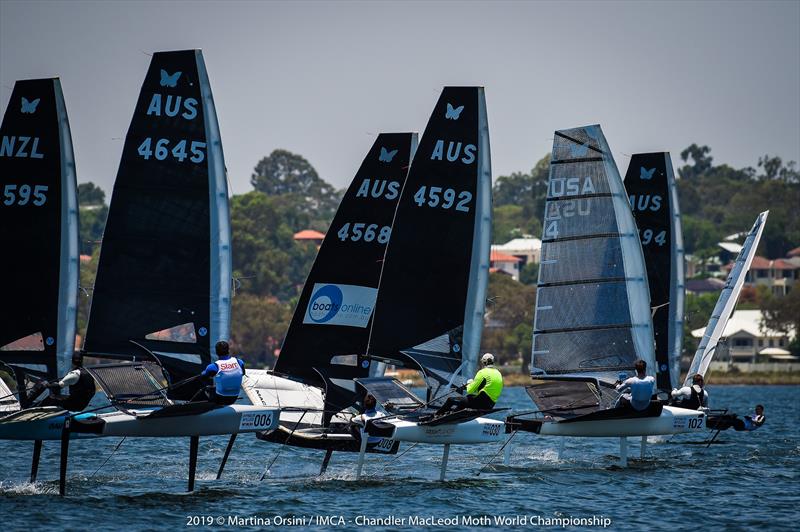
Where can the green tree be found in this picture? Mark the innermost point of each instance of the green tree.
(783, 314)
(510, 316)
(90, 194)
(258, 325)
(92, 216)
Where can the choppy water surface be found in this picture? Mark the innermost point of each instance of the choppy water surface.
(749, 480)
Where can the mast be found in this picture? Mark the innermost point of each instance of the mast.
(429, 311)
(163, 280)
(726, 302)
(37, 176)
(650, 184)
(593, 308)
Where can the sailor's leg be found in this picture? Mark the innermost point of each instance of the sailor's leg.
(225, 456)
(325, 462)
(643, 448)
(37, 452)
(193, 444)
(623, 452)
(62, 470)
(362, 451)
(561, 445)
(445, 456)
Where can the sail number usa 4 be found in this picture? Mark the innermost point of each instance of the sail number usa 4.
(162, 148)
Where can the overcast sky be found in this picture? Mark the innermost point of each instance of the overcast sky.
(322, 79)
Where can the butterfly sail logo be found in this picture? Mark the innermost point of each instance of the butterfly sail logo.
(453, 113)
(386, 156)
(578, 150)
(646, 174)
(29, 108)
(168, 80)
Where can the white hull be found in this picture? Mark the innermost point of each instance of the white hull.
(231, 419)
(673, 420)
(480, 430)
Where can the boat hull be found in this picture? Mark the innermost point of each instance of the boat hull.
(46, 423)
(478, 430)
(231, 419)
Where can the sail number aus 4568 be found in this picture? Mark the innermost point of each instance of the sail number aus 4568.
(161, 149)
(443, 198)
(24, 195)
(361, 231)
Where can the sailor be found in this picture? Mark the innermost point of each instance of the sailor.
(748, 423)
(370, 412)
(756, 420)
(693, 397)
(227, 373)
(637, 391)
(81, 388)
(482, 392)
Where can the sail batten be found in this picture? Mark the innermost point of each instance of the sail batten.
(592, 312)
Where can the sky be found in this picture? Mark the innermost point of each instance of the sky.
(322, 79)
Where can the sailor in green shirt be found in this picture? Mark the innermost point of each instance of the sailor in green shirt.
(482, 392)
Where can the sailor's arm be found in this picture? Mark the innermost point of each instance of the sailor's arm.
(625, 385)
(70, 378)
(683, 393)
(477, 385)
(210, 370)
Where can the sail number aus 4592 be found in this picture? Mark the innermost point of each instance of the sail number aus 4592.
(361, 231)
(161, 149)
(443, 198)
(25, 194)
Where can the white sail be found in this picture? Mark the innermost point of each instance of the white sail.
(726, 302)
(677, 305)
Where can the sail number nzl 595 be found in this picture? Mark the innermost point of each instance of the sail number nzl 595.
(162, 148)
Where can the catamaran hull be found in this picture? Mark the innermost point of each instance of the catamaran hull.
(672, 420)
(232, 419)
(36, 424)
(479, 430)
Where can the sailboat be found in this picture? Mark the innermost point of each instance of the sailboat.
(653, 194)
(430, 307)
(162, 293)
(593, 317)
(313, 379)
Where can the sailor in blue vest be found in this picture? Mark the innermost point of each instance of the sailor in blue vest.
(637, 391)
(227, 373)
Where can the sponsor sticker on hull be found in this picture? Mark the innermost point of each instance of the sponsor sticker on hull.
(340, 304)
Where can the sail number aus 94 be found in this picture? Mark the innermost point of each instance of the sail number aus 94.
(443, 198)
(24, 195)
(649, 236)
(161, 149)
(361, 231)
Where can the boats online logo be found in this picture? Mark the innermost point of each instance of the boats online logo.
(340, 304)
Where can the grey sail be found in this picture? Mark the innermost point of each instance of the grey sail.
(592, 315)
(726, 302)
(677, 307)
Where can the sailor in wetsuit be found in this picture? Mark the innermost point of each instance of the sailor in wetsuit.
(370, 412)
(748, 423)
(692, 397)
(482, 393)
(637, 391)
(227, 372)
(80, 393)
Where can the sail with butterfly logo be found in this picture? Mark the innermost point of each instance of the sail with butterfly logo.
(330, 326)
(430, 306)
(592, 314)
(726, 303)
(164, 277)
(39, 217)
(652, 191)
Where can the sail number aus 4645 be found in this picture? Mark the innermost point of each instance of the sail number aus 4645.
(24, 195)
(161, 149)
(361, 231)
(437, 197)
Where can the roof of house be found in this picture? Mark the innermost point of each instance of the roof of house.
(308, 234)
(762, 263)
(520, 245)
(747, 321)
(794, 253)
(497, 256)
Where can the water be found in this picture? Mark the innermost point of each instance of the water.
(749, 480)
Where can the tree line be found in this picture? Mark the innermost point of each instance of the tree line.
(288, 195)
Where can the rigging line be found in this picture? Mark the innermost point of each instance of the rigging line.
(109, 457)
(396, 458)
(500, 450)
(269, 466)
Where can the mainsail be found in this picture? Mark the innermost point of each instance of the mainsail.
(39, 217)
(593, 308)
(164, 276)
(652, 191)
(330, 326)
(726, 302)
(429, 312)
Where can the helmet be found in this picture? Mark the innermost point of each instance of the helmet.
(487, 359)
